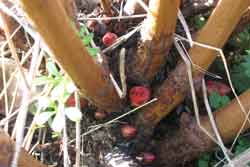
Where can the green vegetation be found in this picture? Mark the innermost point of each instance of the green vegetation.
(210, 159)
(87, 37)
(241, 73)
(52, 108)
(199, 21)
(242, 39)
(217, 101)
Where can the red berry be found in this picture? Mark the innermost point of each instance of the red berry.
(99, 115)
(139, 95)
(71, 102)
(109, 38)
(148, 157)
(221, 88)
(128, 131)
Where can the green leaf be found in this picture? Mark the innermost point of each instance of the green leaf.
(50, 121)
(241, 74)
(52, 69)
(244, 141)
(65, 97)
(63, 89)
(204, 160)
(83, 31)
(58, 122)
(243, 144)
(56, 134)
(203, 163)
(43, 118)
(87, 39)
(33, 108)
(73, 113)
(93, 51)
(242, 39)
(217, 101)
(200, 21)
(58, 91)
(239, 149)
(43, 80)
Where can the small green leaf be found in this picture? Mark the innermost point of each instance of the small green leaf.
(73, 113)
(65, 97)
(58, 91)
(43, 118)
(83, 31)
(58, 122)
(203, 163)
(243, 144)
(33, 108)
(87, 39)
(93, 51)
(242, 39)
(200, 21)
(244, 141)
(217, 101)
(43, 80)
(241, 74)
(204, 160)
(56, 134)
(52, 69)
(240, 148)
(50, 121)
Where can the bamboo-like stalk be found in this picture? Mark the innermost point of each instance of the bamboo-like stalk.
(7, 150)
(71, 9)
(156, 33)
(51, 21)
(106, 6)
(215, 33)
(190, 141)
